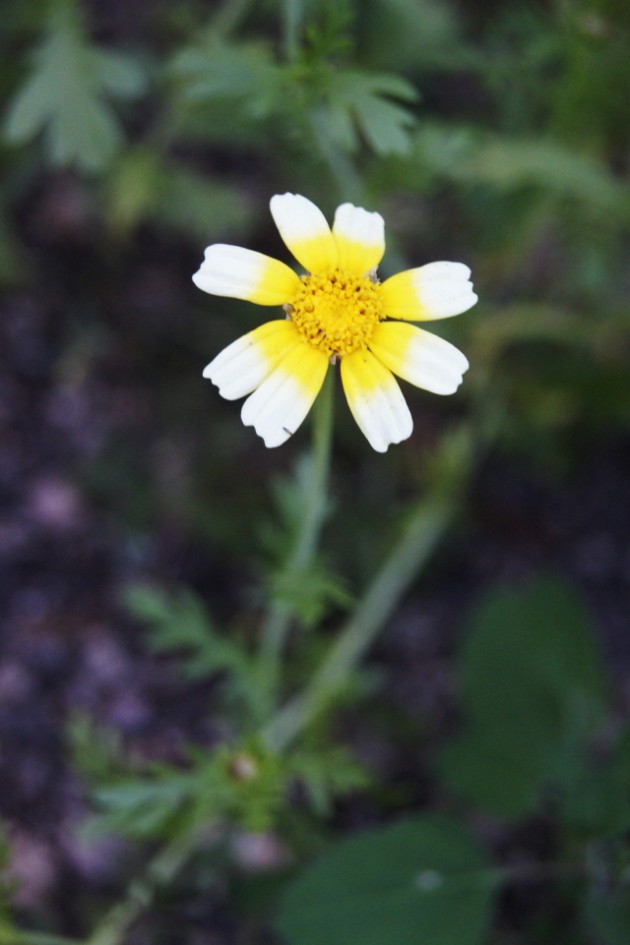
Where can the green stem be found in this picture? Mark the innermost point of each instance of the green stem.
(424, 529)
(228, 17)
(278, 622)
(292, 20)
(161, 870)
(10, 936)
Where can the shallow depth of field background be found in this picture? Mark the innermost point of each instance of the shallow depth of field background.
(133, 135)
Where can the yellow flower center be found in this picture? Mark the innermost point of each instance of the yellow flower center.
(336, 313)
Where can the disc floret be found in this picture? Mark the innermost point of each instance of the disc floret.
(336, 313)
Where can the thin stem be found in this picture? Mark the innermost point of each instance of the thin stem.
(228, 17)
(278, 622)
(161, 870)
(18, 937)
(292, 20)
(424, 529)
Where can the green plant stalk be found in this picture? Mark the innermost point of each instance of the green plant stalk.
(280, 616)
(228, 17)
(292, 16)
(160, 872)
(11, 936)
(427, 523)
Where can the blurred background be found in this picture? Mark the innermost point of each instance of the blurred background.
(133, 135)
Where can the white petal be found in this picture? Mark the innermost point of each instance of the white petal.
(376, 400)
(242, 366)
(437, 290)
(445, 288)
(239, 273)
(420, 357)
(304, 229)
(278, 407)
(360, 236)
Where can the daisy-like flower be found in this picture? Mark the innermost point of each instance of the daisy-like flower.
(338, 311)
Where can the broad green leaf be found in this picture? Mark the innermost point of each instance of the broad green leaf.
(598, 801)
(66, 95)
(423, 880)
(608, 916)
(533, 694)
(606, 907)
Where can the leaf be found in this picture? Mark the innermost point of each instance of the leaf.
(327, 774)
(362, 101)
(508, 164)
(421, 880)
(607, 913)
(66, 95)
(245, 73)
(141, 808)
(181, 622)
(533, 693)
(598, 800)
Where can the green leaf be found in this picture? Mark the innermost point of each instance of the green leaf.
(182, 622)
(66, 95)
(244, 74)
(533, 692)
(598, 800)
(509, 164)
(606, 907)
(361, 102)
(141, 808)
(327, 774)
(421, 880)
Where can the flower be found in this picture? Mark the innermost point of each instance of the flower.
(337, 311)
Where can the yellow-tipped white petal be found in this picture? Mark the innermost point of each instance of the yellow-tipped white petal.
(419, 357)
(242, 366)
(360, 237)
(306, 233)
(278, 407)
(375, 399)
(239, 273)
(438, 290)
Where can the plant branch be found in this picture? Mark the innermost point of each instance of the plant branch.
(278, 622)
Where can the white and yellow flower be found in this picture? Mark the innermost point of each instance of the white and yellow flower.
(337, 311)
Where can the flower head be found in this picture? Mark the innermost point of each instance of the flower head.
(337, 311)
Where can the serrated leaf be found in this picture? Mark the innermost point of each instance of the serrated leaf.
(422, 880)
(245, 72)
(363, 100)
(327, 774)
(507, 164)
(182, 623)
(141, 808)
(533, 693)
(65, 96)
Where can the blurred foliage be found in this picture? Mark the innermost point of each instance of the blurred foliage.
(425, 873)
(534, 694)
(494, 133)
